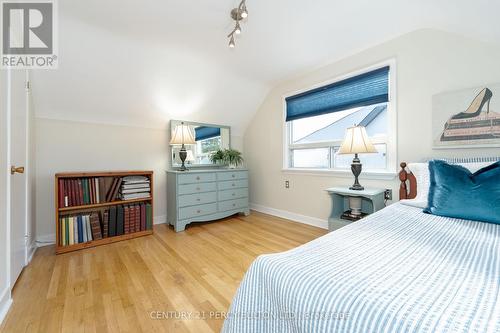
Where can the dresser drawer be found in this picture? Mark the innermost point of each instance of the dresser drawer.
(233, 194)
(233, 184)
(195, 211)
(197, 199)
(197, 188)
(232, 175)
(193, 178)
(233, 204)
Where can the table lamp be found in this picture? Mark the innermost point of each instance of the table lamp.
(356, 142)
(182, 136)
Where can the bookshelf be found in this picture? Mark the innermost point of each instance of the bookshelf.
(96, 206)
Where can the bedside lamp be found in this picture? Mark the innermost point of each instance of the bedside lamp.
(356, 142)
(182, 136)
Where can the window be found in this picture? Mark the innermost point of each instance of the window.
(316, 121)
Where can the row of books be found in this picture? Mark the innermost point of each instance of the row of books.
(88, 191)
(135, 187)
(79, 229)
(115, 221)
(348, 215)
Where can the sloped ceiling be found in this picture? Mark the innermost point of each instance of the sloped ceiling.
(144, 62)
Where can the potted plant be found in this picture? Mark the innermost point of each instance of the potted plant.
(217, 157)
(233, 158)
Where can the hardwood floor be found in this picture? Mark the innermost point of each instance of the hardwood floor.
(148, 284)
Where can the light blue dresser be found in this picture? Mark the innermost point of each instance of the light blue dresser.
(205, 195)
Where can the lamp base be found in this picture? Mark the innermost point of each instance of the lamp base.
(183, 156)
(356, 168)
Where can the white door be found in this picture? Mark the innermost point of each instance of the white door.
(19, 182)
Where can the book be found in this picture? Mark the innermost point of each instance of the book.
(71, 230)
(135, 179)
(96, 185)
(352, 217)
(149, 218)
(112, 221)
(131, 220)
(135, 186)
(132, 196)
(80, 192)
(95, 226)
(66, 230)
(116, 190)
(89, 228)
(143, 216)
(80, 229)
(109, 195)
(61, 192)
(137, 210)
(126, 217)
(119, 220)
(105, 223)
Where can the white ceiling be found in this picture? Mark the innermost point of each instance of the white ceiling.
(144, 62)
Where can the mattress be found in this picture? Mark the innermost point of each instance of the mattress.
(398, 270)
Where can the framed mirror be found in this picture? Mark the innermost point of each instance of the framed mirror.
(208, 138)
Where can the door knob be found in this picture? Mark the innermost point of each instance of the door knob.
(13, 170)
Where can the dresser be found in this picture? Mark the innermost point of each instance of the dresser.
(205, 195)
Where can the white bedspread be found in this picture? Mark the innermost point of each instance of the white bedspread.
(398, 270)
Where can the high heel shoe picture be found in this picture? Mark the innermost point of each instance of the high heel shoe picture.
(476, 107)
(479, 124)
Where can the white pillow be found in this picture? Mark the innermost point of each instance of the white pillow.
(423, 177)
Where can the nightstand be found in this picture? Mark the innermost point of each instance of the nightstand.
(372, 200)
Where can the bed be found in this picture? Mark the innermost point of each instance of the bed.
(398, 270)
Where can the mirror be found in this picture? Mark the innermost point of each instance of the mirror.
(208, 138)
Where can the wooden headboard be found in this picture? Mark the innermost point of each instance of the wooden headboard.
(408, 187)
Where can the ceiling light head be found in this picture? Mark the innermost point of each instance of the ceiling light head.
(244, 11)
(231, 42)
(237, 29)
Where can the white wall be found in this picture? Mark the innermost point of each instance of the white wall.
(428, 62)
(64, 146)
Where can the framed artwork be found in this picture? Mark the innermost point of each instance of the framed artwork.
(467, 119)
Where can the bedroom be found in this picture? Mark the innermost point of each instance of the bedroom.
(282, 93)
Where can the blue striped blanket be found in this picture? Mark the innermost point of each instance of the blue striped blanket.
(397, 270)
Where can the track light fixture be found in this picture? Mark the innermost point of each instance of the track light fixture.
(237, 14)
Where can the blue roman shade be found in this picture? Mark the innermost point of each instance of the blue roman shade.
(204, 132)
(362, 90)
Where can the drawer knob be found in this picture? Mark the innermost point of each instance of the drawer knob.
(198, 199)
(198, 211)
(198, 178)
(197, 189)
(234, 194)
(233, 184)
(234, 205)
(233, 176)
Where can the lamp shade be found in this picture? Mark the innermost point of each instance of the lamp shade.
(356, 142)
(182, 135)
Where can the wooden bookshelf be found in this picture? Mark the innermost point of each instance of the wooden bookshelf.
(75, 209)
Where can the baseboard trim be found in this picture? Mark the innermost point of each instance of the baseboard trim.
(31, 251)
(45, 240)
(5, 303)
(314, 221)
(161, 219)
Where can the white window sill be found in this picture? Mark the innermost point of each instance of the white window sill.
(378, 175)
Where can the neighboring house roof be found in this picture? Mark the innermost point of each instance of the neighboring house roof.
(370, 116)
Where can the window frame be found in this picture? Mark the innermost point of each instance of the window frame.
(390, 139)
